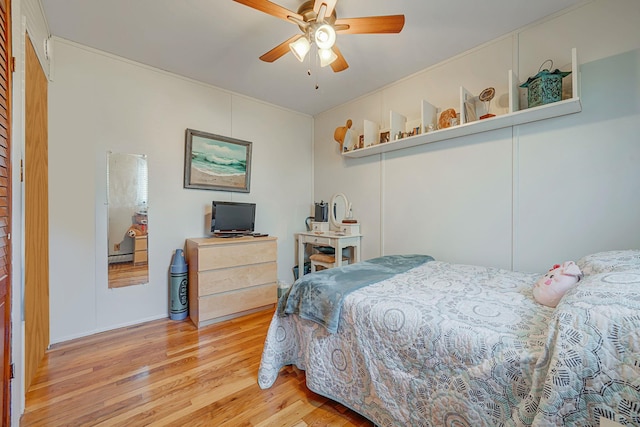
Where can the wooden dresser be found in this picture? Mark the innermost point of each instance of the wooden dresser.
(140, 255)
(229, 277)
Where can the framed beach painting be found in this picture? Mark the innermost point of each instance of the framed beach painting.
(214, 162)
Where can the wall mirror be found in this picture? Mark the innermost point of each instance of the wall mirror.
(127, 210)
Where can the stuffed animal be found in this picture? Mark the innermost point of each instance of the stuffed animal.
(558, 280)
(136, 230)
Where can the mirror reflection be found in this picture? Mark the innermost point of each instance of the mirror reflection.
(127, 206)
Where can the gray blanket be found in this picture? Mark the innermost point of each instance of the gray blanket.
(318, 296)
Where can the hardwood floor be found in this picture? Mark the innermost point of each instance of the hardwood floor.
(127, 274)
(168, 373)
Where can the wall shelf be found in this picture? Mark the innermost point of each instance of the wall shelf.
(514, 118)
(542, 112)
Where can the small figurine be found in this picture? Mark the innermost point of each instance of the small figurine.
(486, 96)
(447, 118)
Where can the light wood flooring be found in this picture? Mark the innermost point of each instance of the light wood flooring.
(127, 274)
(168, 373)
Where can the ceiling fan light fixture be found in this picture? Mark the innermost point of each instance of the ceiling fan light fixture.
(318, 21)
(327, 56)
(300, 48)
(325, 36)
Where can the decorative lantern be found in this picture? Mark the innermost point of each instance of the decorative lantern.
(546, 86)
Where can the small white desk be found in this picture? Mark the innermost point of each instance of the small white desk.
(334, 239)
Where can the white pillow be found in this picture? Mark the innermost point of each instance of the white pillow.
(603, 262)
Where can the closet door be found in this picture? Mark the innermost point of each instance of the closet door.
(36, 215)
(5, 209)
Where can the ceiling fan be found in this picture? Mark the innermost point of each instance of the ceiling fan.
(319, 24)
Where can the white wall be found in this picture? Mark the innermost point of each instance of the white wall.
(100, 103)
(522, 197)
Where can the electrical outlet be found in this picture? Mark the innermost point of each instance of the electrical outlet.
(116, 247)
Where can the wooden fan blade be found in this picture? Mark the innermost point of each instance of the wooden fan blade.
(330, 4)
(371, 24)
(279, 50)
(270, 8)
(340, 64)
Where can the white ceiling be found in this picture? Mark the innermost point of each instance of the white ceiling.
(219, 41)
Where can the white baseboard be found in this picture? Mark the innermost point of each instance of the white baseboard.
(110, 328)
(114, 259)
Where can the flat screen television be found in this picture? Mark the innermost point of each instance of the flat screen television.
(232, 218)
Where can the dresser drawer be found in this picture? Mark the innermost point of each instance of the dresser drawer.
(140, 243)
(223, 304)
(229, 279)
(350, 229)
(140, 257)
(320, 227)
(318, 240)
(232, 255)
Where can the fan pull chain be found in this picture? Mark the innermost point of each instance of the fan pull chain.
(316, 68)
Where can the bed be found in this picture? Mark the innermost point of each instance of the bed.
(439, 344)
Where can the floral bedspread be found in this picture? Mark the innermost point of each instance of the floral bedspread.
(459, 345)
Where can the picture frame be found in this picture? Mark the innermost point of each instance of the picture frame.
(216, 162)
